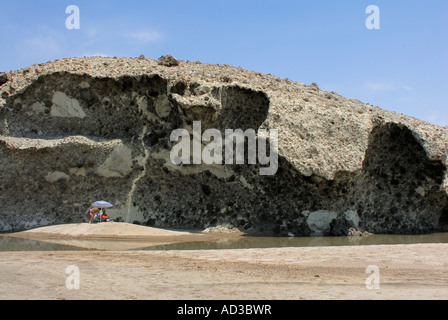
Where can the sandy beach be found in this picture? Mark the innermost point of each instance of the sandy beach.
(418, 271)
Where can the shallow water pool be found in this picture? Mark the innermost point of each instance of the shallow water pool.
(273, 242)
(247, 242)
(16, 244)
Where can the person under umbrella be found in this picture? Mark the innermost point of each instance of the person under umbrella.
(101, 206)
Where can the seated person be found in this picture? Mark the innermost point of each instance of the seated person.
(104, 217)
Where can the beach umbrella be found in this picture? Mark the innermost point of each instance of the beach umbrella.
(102, 204)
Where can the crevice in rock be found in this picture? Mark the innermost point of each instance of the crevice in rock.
(130, 196)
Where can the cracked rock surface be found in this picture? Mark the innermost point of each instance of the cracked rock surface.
(78, 130)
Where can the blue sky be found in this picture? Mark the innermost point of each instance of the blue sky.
(402, 67)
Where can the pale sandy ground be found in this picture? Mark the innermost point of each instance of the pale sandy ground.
(109, 230)
(417, 271)
(104, 236)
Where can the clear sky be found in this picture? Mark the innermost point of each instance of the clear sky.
(402, 67)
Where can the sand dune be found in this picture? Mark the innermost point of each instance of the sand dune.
(117, 236)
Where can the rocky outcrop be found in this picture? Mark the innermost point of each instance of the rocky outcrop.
(79, 130)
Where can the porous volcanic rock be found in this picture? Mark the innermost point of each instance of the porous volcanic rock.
(84, 129)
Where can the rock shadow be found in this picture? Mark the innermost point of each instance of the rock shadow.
(399, 190)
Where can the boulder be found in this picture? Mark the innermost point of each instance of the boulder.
(82, 129)
(168, 61)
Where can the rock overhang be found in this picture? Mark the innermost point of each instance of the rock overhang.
(293, 102)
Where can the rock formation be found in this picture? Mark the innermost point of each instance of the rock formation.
(84, 129)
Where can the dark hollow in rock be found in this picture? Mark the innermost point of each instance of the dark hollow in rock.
(3, 78)
(341, 227)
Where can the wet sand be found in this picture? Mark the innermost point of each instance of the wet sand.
(416, 271)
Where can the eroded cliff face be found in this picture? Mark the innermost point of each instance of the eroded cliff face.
(80, 130)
